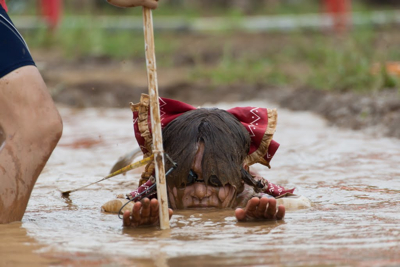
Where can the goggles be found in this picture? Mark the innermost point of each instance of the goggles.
(192, 178)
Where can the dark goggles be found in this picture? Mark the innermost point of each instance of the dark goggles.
(192, 178)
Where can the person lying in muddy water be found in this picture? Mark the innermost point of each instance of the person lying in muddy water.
(214, 149)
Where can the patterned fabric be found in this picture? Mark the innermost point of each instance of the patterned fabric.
(273, 189)
(151, 194)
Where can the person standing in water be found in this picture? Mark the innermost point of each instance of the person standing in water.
(30, 125)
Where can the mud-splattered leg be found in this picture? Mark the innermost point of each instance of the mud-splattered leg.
(30, 128)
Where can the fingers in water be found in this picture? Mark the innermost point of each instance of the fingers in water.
(127, 218)
(271, 210)
(240, 214)
(154, 208)
(264, 209)
(145, 208)
(252, 205)
(261, 208)
(136, 216)
(281, 212)
(144, 212)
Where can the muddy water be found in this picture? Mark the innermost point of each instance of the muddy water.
(352, 179)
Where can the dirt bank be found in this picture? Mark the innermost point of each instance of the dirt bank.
(378, 113)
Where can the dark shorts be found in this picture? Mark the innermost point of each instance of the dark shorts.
(14, 52)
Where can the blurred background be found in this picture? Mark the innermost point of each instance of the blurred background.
(290, 51)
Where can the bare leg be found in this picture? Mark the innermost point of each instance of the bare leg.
(30, 128)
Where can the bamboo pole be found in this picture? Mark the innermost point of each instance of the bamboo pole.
(158, 150)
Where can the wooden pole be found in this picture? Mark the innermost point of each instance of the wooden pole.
(158, 150)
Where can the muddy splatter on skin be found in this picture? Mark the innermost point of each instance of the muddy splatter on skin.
(202, 193)
(352, 179)
(2, 137)
(199, 195)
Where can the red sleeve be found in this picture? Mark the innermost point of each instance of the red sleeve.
(3, 3)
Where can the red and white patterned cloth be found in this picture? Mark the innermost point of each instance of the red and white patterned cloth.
(151, 194)
(275, 190)
(254, 119)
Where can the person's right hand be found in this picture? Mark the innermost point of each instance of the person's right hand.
(145, 212)
(152, 4)
(260, 209)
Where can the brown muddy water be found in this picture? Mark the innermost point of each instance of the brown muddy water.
(351, 178)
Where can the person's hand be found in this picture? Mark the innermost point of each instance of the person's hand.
(143, 213)
(260, 209)
(152, 4)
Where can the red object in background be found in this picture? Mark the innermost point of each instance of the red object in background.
(3, 4)
(340, 10)
(51, 11)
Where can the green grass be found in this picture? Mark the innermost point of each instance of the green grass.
(312, 60)
(298, 59)
(91, 41)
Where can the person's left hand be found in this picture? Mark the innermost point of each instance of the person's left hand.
(152, 4)
(260, 209)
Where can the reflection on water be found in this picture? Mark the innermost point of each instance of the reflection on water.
(352, 179)
(18, 249)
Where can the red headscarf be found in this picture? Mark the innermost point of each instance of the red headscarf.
(254, 119)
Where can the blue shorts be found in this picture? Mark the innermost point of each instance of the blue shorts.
(14, 52)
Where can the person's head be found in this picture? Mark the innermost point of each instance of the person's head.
(209, 146)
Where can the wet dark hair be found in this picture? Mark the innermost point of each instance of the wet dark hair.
(226, 144)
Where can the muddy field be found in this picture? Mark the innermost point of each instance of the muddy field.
(351, 177)
(353, 185)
